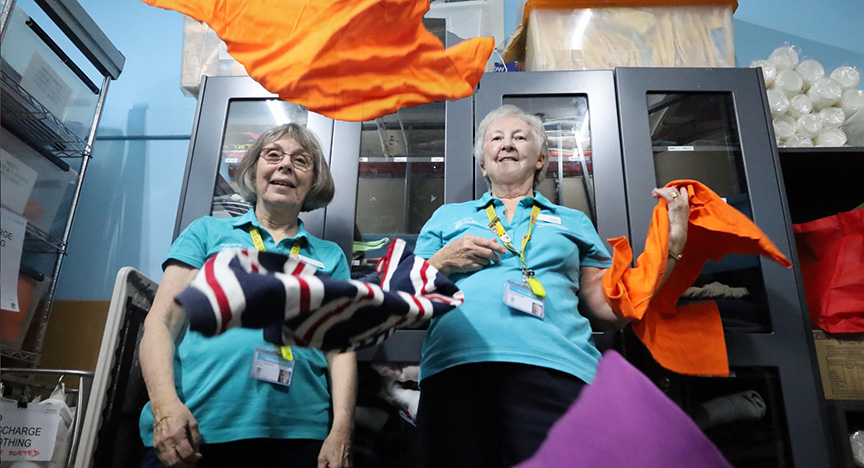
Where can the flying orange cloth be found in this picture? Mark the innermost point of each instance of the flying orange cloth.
(687, 339)
(346, 59)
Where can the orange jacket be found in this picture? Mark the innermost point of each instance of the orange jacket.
(687, 339)
(345, 59)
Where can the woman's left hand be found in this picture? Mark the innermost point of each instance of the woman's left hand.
(677, 200)
(336, 450)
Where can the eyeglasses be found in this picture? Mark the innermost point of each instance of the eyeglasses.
(300, 161)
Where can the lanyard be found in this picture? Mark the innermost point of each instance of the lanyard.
(259, 243)
(497, 228)
(295, 252)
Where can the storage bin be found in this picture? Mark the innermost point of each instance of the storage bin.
(31, 296)
(43, 74)
(586, 34)
(204, 54)
(47, 206)
(473, 18)
(16, 182)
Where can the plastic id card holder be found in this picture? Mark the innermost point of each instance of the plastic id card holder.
(520, 297)
(269, 366)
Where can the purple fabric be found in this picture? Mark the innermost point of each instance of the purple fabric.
(621, 420)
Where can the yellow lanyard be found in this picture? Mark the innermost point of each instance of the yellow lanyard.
(259, 243)
(496, 227)
(295, 252)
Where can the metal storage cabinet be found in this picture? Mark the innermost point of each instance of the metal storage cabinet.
(712, 125)
(585, 169)
(231, 112)
(57, 124)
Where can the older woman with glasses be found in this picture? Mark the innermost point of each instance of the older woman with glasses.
(236, 400)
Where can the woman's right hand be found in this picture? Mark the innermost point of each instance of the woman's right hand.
(466, 254)
(176, 437)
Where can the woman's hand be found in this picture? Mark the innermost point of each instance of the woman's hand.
(466, 254)
(677, 200)
(175, 436)
(336, 450)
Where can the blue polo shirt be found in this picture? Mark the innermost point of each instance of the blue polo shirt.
(212, 374)
(484, 329)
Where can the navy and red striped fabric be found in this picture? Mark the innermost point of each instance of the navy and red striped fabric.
(294, 304)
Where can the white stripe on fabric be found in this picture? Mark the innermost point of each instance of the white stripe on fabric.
(230, 286)
(292, 295)
(416, 278)
(395, 257)
(456, 300)
(200, 283)
(316, 290)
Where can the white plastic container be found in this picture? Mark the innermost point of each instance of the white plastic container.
(570, 35)
(825, 92)
(808, 125)
(848, 77)
(784, 58)
(204, 54)
(832, 117)
(777, 101)
(473, 18)
(799, 105)
(852, 101)
(789, 82)
(784, 126)
(810, 70)
(830, 137)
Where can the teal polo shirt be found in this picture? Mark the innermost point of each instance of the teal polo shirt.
(483, 329)
(212, 374)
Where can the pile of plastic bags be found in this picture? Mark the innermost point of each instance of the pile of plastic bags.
(810, 107)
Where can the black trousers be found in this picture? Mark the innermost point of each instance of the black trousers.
(492, 415)
(251, 453)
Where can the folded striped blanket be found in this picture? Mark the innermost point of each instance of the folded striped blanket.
(294, 304)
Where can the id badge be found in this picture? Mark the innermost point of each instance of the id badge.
(269, 365)
(520, 297)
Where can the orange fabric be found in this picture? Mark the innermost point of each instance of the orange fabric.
(346, 59)
(687, 339)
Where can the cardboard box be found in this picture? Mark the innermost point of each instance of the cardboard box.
(841, 364)
(603, 34)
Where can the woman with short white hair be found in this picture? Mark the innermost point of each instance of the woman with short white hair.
(497, 372)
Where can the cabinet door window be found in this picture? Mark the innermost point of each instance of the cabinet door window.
(247, 120)
(569, 178)
(743, 415)
(695, 136)
(401, 174)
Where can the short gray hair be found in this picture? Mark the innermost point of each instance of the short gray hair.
(323, 187)
(510, 111)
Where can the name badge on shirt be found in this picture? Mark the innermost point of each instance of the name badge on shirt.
(269, 365)
(311, 261)
(548, 218)
(520, 297)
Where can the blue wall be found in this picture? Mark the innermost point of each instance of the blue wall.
(129, 199)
